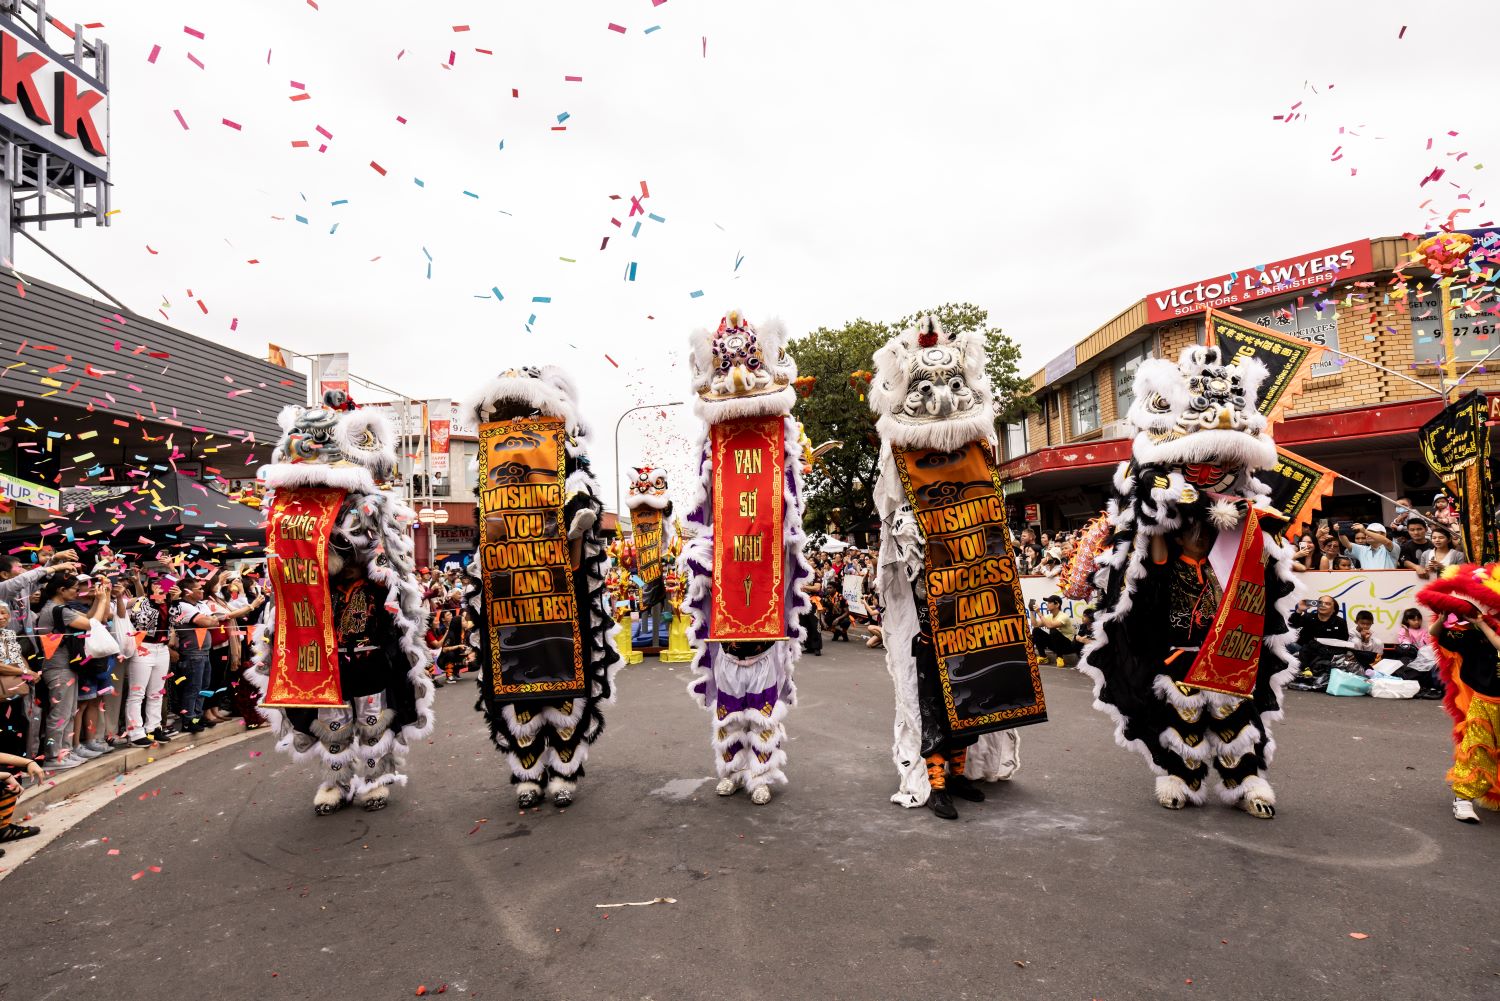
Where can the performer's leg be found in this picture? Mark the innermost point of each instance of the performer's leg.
(1475, 775)
(1239, 743)
(1175, 735)
(567, 751)
(334, 730)
(727, 740)
(958, 784)
(763, 732)
(376, 759)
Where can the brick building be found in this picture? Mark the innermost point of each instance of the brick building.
(1357, 420)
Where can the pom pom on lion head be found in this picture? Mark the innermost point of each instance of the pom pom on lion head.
(742, 371)
(648, 489)
(331, 445)
(1201, 410)
(528, 391)
(1461, 588)
(930, 389)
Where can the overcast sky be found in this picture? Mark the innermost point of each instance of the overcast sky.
(1050, 162)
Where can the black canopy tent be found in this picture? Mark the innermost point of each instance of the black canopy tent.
(170, 511)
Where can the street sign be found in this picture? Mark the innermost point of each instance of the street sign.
(32, 494)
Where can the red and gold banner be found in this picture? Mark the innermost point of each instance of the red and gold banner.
(749, 471)
(1229, 660)
(646, 529)
(975, 612)
(304, 668)
(530, 607)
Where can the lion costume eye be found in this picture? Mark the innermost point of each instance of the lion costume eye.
(1157, 404)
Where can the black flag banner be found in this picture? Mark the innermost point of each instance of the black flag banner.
(1298, 486)
(1456, 445)
(1284, 356)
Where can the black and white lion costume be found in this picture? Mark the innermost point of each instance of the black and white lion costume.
(379, 617)
(741, 372)
(930, 391)
(546, 742)
(648, 498)
(1176, 520)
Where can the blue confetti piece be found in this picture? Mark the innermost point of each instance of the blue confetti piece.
(341, 201)
(696, 295)
(302, 219)
(655, 218)
(429, 272)
(738, 260)
(334, 230)
(420, 183)
(471, 194)
(429, 256)
(630, 272)
(498, 296)
(541, 298)
(502, 143)
(636, 229)
(530, 320)
(654, 27)
(563, 117)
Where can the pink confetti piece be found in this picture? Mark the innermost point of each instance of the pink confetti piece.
(401, 119)
(705, 46)
(232, 125)
(617, 27)
(298, 86)
(155, 51)
(611, 361)
(138, 875)
(460, 27)
(234, 324)
(323, 132)
(657, 3)
(304, 96)
(377, 168)
(195, 61)
(573, 79)
(192, 31)
(182, 121)
(1402, 33)
(113, 851)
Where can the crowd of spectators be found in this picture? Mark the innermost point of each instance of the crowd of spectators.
(1422, 542)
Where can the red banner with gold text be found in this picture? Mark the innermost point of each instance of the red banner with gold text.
(1229, 659)
(749, 470)
(304, 668)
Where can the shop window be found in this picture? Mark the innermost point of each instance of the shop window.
(1125, 367)
(1085, 399)
(1306, 316)
(1473, 336)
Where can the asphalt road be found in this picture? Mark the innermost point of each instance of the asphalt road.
(1068, 883)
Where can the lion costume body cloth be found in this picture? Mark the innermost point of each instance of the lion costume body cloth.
(1469, 662)
(546, 741)
(742, 373)
(1168, 581)
(378, 616)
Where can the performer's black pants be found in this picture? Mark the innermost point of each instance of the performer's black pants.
(936, 738)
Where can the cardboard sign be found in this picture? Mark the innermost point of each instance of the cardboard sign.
(1229, 659)
(530, 606)
(749, 505)
(646, 527)
(304, 668)
(1283, 355)
(986, 664)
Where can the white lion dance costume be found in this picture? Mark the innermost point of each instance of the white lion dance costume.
(651, 530)
(956, 641)
(1189, 657)
(744, 552)
(341, 661)
(544, 635)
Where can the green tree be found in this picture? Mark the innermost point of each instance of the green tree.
(841, 485)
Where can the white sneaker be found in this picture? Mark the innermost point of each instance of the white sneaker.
(98, 745)
(66, 761)
(86, 752)
(1463, 810)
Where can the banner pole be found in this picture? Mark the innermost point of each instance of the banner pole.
(1366, 489)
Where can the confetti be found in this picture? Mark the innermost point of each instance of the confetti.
(617, 27)
(1402, 33)
(155, 51)
(192, 31)
(232, 125)
(181, 121)
(1358, 935)
(373, 166)
(696, 295)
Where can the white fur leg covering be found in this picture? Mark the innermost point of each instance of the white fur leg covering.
(570, 767)
(729, 748)
(1254, 788)
(764, 756)
(557, 784)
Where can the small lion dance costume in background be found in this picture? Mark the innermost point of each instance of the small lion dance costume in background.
(1189, 656)
(341, 661)
(956, 641)
(651, 532)
(544, 634)
(744, 551)
(1466, 601)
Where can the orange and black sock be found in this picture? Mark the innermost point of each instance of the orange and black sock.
(956, 761)
(7, 807)
(935, 775)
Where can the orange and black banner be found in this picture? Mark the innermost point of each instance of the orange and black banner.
(1456, 445)
(1229, 660)
(749, 484)
(1298, 487)
(645, 526)
(304, 668)
(1285, 357)
(530, 606)
(986, 664)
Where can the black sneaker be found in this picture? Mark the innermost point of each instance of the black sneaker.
(142, 742)
(940, 803)
(161, 736)
(964, 788)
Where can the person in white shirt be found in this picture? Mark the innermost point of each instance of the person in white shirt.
(1372, 548)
